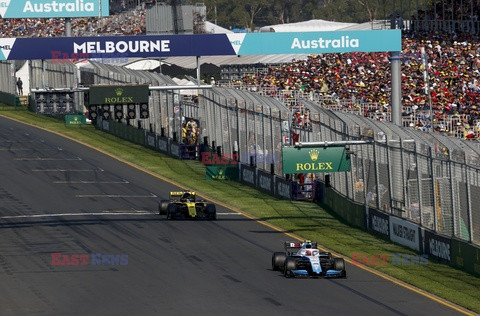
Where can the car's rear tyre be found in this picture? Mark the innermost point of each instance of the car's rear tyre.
(339, 265)
(162, 207)
(171, 211)
(278, 260)
(290, 264)
(211, 211)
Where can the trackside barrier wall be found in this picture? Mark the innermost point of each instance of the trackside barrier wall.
(9, 99)
(353, 213)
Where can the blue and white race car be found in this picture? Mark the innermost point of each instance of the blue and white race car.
(304, 259)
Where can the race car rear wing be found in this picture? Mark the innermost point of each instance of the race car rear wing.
(181, 193)
(292, 247)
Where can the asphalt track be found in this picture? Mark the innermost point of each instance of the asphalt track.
(57, 196)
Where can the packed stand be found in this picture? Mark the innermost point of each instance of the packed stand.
(126, 18)
(362, 81)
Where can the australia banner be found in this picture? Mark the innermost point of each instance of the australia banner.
(53, 8)
(75, 48)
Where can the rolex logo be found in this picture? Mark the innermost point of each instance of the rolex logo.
(313, 154)
(119, 92)
(220, 172)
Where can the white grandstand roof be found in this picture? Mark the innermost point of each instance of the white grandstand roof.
(213, 28)
(307, 26)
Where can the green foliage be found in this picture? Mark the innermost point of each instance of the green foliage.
(257, 13)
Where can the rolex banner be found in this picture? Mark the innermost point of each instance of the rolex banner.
(315, 160)
(119, 94)
(223, 172)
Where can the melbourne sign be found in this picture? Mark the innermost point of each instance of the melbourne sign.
(119, 94)
(315, 160)
(53, 8)
(198, 44)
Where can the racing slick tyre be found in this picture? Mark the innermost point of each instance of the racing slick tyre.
(339, 265)
(290, 264)
(171, 211)
(162, 207)
(211, 211)
(278, 261)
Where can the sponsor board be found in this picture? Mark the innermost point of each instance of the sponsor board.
(437, 246)
(404, 233)
(201, 44)
(75, 120)
(162, 144)
(282, 188)
(247, 175)
(378, 222)
(222, 172)
(175, 150)
(265, 181)
(54, 8)
(151, 140)
(106, 125)
(314, 160)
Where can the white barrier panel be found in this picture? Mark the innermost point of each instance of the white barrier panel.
(404, 233)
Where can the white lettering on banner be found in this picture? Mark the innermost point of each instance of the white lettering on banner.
(265, 182)
(122, 47)
(343, 42)
(54, 6)
(404, 232)
(248, 176)
(439, 249)
(380, 225)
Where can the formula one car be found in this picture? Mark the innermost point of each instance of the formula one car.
(186, 206)
(304, 259)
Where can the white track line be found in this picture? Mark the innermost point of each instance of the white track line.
(91, 182)
(75, 214)
(68, 170)
(114, 196)
(48, 159)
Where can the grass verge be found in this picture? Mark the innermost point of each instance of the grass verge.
(300, 218)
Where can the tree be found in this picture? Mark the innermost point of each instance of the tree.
(370, 7)
(253, 8)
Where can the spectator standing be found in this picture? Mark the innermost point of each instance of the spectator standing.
(20, 86)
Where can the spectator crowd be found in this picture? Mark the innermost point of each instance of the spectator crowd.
(359, 79)
(127, 17)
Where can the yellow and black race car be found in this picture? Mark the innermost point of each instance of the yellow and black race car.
(184, 205)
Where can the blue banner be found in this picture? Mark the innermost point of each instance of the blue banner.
(53, 8)
(321, 42)
(75, 48)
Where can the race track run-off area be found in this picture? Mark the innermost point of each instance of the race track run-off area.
(80, 234)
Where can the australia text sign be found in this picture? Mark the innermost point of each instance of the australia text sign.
(314, 160)
(53, 8)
